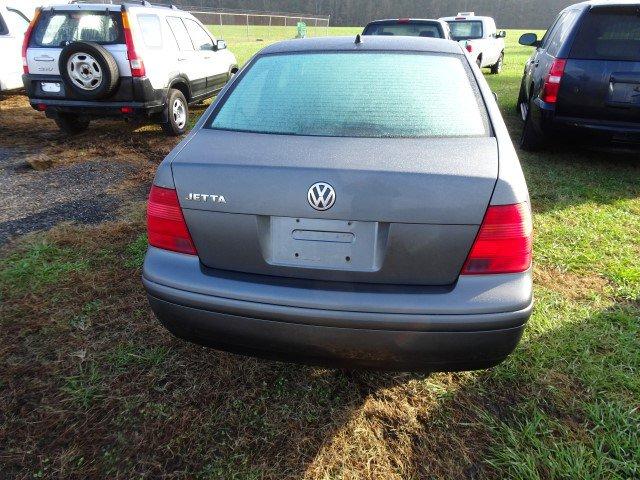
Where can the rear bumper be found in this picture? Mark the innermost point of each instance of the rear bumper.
(135, 93)
(331, 323)
(587, 130)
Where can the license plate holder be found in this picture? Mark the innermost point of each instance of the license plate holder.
(50, 87)
(324, 244)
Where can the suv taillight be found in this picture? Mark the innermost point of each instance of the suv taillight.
(27, 38)
(552, 81)
(469, 47)
(136, 63)
(166, 227)
(504, 242)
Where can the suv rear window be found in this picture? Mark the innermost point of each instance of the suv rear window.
(609, 33)
(409, 29)
(58, 28)
(466, 30)
(372, 94)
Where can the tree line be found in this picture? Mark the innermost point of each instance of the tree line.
(508, 13)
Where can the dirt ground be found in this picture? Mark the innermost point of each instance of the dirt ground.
(85, 179)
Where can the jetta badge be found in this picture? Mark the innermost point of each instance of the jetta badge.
(321, 196)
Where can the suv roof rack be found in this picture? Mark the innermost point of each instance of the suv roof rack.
(143, 3)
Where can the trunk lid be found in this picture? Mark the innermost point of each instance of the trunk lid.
(406, 210)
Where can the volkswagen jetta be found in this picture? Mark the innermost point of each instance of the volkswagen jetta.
(354, 203)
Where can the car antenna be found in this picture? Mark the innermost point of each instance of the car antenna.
(358, 39)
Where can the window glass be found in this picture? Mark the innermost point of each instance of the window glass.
(151, 30)
(368, 94)
(200, 38)
(3, 27)
(609, 34)
(56, 29)
(466, 30)
(180, 33)
(549, 33)
(561, 32)
(415, 29)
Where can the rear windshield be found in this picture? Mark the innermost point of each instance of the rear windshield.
(609, 34)
(408, 29)
(59, 28)
(465, 29)
(368, 94)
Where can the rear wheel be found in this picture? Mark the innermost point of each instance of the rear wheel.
(530, 139)
(479, 62)
(178, 114)
(71, 124)
(497, 67)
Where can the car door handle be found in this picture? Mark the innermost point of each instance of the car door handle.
(181, 59)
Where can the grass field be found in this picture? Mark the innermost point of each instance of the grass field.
(92, 387)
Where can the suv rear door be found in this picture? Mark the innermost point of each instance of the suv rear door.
(602, 75)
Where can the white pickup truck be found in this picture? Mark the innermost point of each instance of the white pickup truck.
(13, 23)
(480, 37)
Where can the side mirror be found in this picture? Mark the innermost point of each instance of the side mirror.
(529, 40)
(501, 34)
(220, 45)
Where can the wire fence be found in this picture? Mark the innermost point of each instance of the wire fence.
(261, 26)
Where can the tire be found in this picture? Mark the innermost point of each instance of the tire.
(521, 99)
(88, 70)
(479, 62)
(71, 124)
(177, 114)
(531, 140)
(497, 67)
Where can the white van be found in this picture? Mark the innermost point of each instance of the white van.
(14, 20)
(87, 61)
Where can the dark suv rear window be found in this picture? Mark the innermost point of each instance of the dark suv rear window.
(611, 33)
(408, 29)
(58, 28)
(367, 94)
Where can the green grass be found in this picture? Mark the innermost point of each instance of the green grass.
(92, 386)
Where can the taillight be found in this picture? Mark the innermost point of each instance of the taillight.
(552, 81)
(469, 47)
(136, 63)
(504, 242)
(166, 227)
(27, 38)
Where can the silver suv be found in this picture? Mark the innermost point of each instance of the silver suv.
(84, 61)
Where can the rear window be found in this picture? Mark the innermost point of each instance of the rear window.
(465, 29)
(58, 28)
(408, 29)
(371, 94)
(609, 34)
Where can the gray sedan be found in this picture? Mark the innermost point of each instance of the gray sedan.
(351, 202)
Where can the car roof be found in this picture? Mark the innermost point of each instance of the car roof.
(460, 18)
(405, 20)
(113, 7)
(368, 43)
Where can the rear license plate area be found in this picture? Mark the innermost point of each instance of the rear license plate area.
(324, 244)
(50, 87)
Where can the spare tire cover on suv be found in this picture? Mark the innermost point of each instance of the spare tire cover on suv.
(89, 70)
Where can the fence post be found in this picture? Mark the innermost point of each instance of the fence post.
(270, 32)
(247, 25)
(328, 20)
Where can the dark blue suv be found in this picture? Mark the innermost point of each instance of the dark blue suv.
(583, 80)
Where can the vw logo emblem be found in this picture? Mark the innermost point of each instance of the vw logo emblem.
(321, 196)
